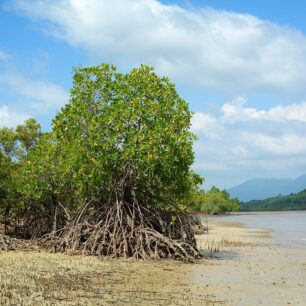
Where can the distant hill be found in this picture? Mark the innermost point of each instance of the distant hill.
(259, 189)
(295, 201)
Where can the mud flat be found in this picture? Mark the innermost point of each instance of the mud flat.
(241, 266)
(252, 268)
(39, 278)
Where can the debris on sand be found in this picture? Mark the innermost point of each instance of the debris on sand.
(8, 243)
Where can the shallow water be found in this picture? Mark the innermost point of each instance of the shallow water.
(288, 228)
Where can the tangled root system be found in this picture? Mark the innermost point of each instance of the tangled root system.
(124, 229)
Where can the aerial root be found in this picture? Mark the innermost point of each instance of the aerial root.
(126, 230)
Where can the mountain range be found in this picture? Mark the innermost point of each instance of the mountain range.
(259, 189)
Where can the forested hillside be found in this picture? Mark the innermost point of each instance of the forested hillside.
(290, 202)
(261, 189)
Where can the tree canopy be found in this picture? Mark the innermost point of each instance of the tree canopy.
(214, 201)
(131, 127)
(15, 144)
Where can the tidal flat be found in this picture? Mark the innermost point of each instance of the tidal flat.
(241, 266)
(39, 278)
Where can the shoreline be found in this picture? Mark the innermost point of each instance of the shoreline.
(259, 212)
(259, 270)
(288, 229)
(249, 268)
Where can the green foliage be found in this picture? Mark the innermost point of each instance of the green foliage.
(127, 126)
(214, 201)
(27, 134)
(120, 134)
(14, 146)
(36, 176)
(289, 202)
(44, 179)
(4, 163)
(8, 140)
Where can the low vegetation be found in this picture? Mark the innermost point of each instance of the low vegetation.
(214, 201)
(295, 201)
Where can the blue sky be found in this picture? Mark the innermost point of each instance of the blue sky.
(240, 64)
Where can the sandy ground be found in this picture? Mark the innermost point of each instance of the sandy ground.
(253, 269)
(242, 266)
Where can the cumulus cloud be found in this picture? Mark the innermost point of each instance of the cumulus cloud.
(214, 49)
(206, 124)
(235, 110)
(10, 118)
(242, 142)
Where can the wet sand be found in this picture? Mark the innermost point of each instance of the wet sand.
(253, 269)
(248, 268)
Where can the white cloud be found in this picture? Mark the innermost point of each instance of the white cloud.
(205, 124)
(22, 97)
(40, 96)
(215, 49)
(250, 143)
(235, 110)
(291, 112)
(10, 118)
(286, 145)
